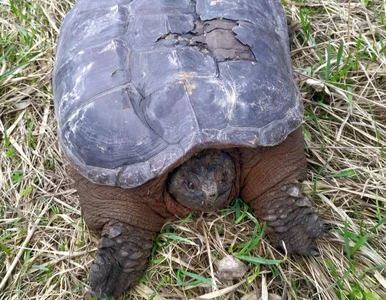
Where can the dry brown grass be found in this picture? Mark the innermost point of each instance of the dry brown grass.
(46, 250)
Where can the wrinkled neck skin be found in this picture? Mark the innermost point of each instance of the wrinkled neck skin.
(180, 210)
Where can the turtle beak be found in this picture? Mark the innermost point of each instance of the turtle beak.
(210, 191)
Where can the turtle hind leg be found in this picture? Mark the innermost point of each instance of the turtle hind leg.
(123, 254)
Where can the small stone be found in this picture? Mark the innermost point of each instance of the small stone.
(231, 268)
(294, 191)
(283, 216)
(283, 188)
(124, 253)
(115, 231)
(255, 295)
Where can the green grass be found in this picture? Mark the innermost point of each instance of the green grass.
(46, 250)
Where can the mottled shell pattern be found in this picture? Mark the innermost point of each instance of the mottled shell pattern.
(140, 85)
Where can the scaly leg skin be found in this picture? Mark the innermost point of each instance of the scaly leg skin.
(122, 257)
(129, 220)
(290, 220)
(272, 186)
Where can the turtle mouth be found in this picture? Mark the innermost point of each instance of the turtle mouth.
(207, 206)
(213, 203)
(210, 193)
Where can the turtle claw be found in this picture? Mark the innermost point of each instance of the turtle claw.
(299, 234)
(314, 252)
(294, 223)
(122, 257)
(327, 227)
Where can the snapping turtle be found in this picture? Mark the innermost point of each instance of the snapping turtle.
(167, 107)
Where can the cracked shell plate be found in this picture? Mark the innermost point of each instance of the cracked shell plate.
(140, 84)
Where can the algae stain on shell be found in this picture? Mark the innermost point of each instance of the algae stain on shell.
(186, 79)
(189, 86)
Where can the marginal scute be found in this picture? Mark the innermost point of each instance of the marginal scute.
(100, 140)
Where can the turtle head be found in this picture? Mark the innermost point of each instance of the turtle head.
(204, 182)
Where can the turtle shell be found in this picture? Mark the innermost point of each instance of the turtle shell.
(141, 85)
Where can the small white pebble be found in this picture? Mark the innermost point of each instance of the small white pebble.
(231, 268)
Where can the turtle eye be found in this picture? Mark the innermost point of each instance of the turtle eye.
(189, 185)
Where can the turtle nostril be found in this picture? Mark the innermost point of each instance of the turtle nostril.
(212, 197)
(210, 192)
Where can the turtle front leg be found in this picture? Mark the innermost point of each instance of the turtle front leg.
(290, 219)
(272, 186)
(122, 257)
(129, 220)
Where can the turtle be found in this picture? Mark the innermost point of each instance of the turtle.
(170, 107)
